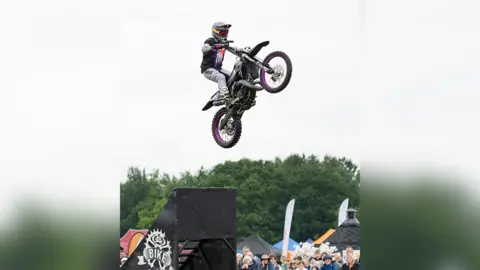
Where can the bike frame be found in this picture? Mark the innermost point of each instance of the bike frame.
(243, 55)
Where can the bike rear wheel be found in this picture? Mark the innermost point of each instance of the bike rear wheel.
(229, 136)
(276, 82)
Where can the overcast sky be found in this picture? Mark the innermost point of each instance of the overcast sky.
(88, 89)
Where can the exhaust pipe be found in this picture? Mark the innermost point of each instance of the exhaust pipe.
(250, 86)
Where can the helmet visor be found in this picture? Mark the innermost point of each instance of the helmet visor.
(220, 32)
(223, 33)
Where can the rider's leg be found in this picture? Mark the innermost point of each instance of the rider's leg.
(226, 72)
(216, 76)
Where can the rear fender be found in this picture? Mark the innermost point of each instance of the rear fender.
(210, 102)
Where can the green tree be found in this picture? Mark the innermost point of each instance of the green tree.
(264, 187)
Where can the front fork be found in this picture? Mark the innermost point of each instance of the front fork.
(224, 121)
(227, 117)
(259, 64)
(267, 68)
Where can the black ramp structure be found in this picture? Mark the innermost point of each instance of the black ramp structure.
(196, 230)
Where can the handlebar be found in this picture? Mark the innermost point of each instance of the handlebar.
(235, 50)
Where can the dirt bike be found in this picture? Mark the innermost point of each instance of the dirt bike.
(250, 74)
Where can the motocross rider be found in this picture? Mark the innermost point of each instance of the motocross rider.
(213, 51)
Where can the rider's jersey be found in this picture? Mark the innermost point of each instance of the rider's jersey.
(213, 58)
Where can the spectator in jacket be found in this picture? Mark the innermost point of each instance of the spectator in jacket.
(323, 255)
(245, 251)
(248, 263)
(350, 264)
(349, 250)
(317, 256)
(316, 260)
(273, 261)
(301, 265)
(337, 257)
(292, 265)
(328, 264)
(307, 264)
(265, 263)
(285, 263)
(255, 259)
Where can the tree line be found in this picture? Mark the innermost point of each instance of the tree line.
(264, 187)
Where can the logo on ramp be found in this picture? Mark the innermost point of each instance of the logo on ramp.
(157, 252)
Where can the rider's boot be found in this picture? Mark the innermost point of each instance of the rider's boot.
(226, 97)
(222, 97)
(224, 94)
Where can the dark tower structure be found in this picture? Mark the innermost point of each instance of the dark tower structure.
(347, 234)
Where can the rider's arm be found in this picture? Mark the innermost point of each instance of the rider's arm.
(208, 45)
(206, 48)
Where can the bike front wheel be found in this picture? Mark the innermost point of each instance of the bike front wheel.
(229, 136)
(282, 72)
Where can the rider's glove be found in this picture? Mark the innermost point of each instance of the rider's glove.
(220, 46)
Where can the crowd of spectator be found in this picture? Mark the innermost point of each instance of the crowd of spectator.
(319, 261)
